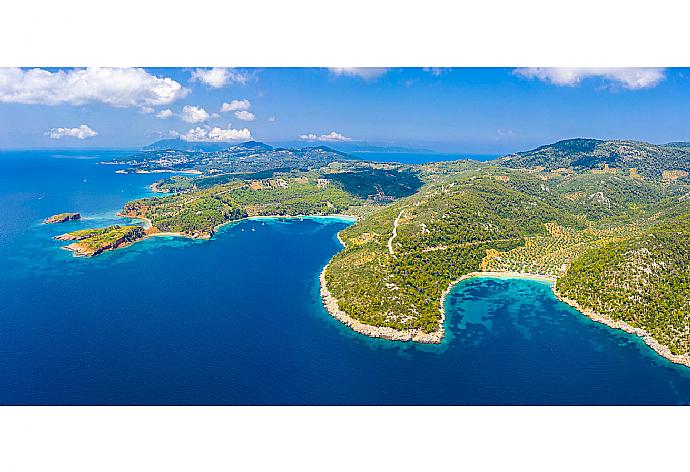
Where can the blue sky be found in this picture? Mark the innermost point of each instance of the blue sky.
(461, 110)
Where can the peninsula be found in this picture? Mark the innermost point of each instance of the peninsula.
(607, 221)
(91, 242)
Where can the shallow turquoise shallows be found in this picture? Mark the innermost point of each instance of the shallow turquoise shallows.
(238, 319)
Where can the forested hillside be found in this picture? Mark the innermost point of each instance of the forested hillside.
(643, 280)
(610, 220)
(640, 158)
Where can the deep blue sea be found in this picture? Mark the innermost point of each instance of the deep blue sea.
(238, 319)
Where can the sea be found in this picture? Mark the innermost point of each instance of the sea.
(237, 319)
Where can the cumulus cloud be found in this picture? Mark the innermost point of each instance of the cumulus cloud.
(192, 114)
(332, 136)
(236, 105)
(215, 134)
(82, 132)
(366, 73)
(147, 110)
(632, 78)
(117, 87)
(218, 77)
(164, 114)
(245, 115)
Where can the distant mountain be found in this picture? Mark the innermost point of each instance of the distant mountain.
(252, 145)
(330, 150)
(355, 147)
(203, 146)
(679, 144)
(650, 160)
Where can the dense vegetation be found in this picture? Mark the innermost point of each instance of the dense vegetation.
(587, 229)
(197, 213)
(648, 160)
(378, 183)
(643, 280)
(609, 219)
(184, 183)
(443, 233)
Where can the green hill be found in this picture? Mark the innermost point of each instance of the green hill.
(442, 233)
(643, 280)
(649, 160)
(609, 220)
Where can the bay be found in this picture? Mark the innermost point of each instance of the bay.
(237, 320)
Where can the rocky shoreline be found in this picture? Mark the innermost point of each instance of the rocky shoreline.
(81, 251)
(436, 337)
(384, 332)
(662, 350)
(331, 305)
(61, 218)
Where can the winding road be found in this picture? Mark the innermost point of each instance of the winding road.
(395, 233)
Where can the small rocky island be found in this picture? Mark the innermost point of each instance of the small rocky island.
(61, 218)
(91, 242)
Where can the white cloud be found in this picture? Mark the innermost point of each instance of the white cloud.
(215, 134)
(192, 114)
(437, 71)
(147, 110)
(236, 105)
(164, 114)
(632, 78)
(271, 119)
(218, 77)
(117, 87)
(366, 73)
(245, 115)
(332, 137)
(82, 132)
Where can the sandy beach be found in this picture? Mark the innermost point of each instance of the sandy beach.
(659, 348)
(149, 233)
(286, 217)
(331, 305)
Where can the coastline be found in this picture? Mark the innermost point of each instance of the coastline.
(154, 171)
(287, 217)
(660, 349)
(279, 217)
(148, 225)
(331, 305)
(436, 337)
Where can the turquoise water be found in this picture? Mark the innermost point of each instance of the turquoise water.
(238, 319)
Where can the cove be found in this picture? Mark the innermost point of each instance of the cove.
(237, 320)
